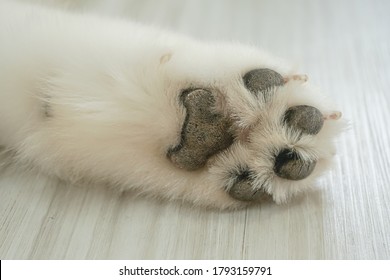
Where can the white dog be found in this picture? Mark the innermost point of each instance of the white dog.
(89, 99)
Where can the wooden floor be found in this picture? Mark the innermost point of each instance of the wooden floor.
(344, 46)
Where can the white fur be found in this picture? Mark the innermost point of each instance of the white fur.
(91, 99)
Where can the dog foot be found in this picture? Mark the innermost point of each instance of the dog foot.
(206, 132)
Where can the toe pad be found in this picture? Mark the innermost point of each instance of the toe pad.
(260, 80)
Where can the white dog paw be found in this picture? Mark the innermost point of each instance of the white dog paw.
(260, 165)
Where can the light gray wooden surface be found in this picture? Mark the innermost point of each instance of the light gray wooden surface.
(344, 46)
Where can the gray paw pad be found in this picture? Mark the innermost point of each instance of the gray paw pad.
(288, 165)
(204, 131)
(260, 80)
(242, 188)
(244, 191)
(304, 118)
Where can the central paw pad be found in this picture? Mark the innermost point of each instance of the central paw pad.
(204, 133)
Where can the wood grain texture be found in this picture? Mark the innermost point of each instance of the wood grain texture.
(344, 46)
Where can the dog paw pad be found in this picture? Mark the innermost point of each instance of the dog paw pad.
(204, 132)
(288, 165)
(243, 190)
(304, 118)
(260, 80)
